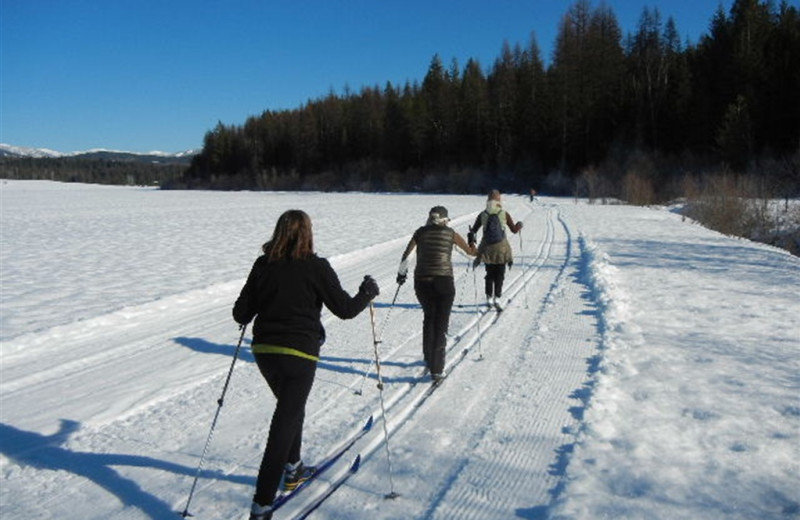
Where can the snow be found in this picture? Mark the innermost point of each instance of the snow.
(645, 367)
(25, 151)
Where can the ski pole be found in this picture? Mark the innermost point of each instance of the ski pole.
(524, 268)
(383, 327)
(375, 341)
(478, 310)
(213, 423)
(461, 288)
(389, 312)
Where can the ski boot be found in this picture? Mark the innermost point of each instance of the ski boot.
(296, 474)
(259, 512)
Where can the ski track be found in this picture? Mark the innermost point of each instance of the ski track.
(551, 369)
(547, 364)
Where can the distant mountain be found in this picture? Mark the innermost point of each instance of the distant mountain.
(185, 157)
(7, 150)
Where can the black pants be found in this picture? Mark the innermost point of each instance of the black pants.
(290, 378)
(436, 296)
(495, 274)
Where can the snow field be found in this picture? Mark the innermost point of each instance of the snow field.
(644, 367)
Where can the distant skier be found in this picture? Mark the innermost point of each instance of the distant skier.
(285, 291)
(494, 249)
(433, 283)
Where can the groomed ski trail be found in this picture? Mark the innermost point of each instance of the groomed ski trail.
(545, 367)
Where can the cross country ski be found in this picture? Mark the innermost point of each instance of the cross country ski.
(314, 504)
(323, 466)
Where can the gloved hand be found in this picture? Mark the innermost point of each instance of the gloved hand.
(369, 287)
(510, 264)
(476, 262)
(519, 225)
(402, 272)
(471, 238)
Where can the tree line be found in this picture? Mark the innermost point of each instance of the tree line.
(635, 116)
(606, 105)
(92, 170)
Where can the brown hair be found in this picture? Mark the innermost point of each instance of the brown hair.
(292, 238)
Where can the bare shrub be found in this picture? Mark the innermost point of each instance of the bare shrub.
(742, 206)
(638, 182)
(789, 238)
(590, 185)
(638, 189)
(720, 205)
(690, 187)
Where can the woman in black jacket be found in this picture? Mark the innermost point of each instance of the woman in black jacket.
(285, 291)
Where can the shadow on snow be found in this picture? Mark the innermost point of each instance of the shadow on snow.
(330, 363)
(48, 453)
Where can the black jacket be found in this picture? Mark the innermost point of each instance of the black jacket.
(286, 298)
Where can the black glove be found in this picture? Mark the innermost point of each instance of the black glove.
(511, 264)
(401, 278)
(471, 238)
(369, 287)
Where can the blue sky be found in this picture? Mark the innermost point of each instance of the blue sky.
(145, 75)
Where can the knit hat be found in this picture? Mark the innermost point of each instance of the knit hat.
(439, 211)
(438, 215)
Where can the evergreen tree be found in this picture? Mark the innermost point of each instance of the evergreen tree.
(732, 97)
(780, 108)
(532, 115)
(586, 81)
(504, 106)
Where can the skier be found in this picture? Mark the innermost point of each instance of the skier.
(433, 283)
(494, 249)
(284, 292)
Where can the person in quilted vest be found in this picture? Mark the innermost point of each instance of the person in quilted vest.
(433, 283)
